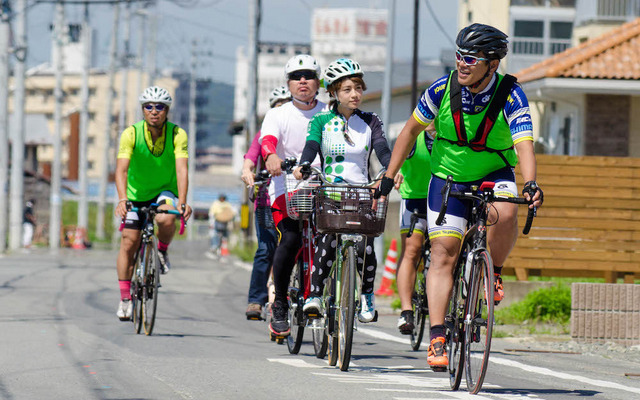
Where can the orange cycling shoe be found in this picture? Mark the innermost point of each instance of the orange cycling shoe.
(498, 294)
(437, 355)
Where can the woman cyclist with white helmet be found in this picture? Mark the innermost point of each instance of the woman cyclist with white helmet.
(283, 135)
(344, 137)
(152, 167)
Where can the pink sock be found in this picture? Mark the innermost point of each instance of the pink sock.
(162, 246)
(125, 290)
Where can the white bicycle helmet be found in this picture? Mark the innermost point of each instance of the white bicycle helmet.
(277, 94)
(302, 62)
(155, 94)
(341, 68)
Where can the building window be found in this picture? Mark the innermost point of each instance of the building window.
(528, 37)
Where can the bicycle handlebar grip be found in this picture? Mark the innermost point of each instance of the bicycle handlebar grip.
(121, 225)
(529, 222)
(445, 199)
(306, 170)
(183, 223)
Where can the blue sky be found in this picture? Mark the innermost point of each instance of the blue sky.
(220, 26)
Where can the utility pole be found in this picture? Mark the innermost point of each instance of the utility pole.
(104, 176)
(83, 203)
(56, 169)
(388, 67)
(17, 137)
(4, 112)
(414, 66)
(255, 8)
(141, 36)
(125, 67)
(191, 146)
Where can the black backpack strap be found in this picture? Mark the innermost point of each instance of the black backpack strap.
(495, 107)
(455, 97)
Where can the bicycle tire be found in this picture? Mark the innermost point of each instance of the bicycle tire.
(296, 301)
(136, 293)
(330, 312)
(347, 309)
(479, 323)
(320, 341)
(419, 303)
(454, 323)
(150, 286)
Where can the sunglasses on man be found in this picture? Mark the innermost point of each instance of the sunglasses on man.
(297, 75)
(159, 107)
(469, 60)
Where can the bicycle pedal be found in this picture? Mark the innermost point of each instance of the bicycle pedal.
(375, 317)
(439, 369)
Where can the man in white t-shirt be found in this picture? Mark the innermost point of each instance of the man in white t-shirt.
(283, 134)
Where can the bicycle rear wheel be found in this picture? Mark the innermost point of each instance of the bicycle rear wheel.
(419, 303)
(150, 287)
(454, 323)
(136, 300)
(330, 312)
(320, 342)
(347, 309)
(296, 300)
(479, 321)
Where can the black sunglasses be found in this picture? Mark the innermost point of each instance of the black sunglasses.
(159, 107)
(306, 74)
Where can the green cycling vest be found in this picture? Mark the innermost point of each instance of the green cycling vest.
(150, 175)
(416, 171)
(464, 163)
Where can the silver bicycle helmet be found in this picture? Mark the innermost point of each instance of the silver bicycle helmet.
(277, 94)
(341, 68)
(155, 94)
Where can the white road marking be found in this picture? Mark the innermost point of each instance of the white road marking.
(562, 375)
(294, 362)
(383, 336)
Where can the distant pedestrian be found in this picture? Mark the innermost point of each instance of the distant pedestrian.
(28, 223)
(221, 214)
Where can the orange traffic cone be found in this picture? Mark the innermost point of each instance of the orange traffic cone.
(389, 274)
(78, 240)
(224, 250)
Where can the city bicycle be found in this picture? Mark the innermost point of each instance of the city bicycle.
(470, 316)
(351, 213)
(419, 302)
(299, 203)
(145, 282)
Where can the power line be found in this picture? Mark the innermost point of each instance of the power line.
(437, 21)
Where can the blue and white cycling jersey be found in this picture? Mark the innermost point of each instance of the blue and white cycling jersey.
(516, 110)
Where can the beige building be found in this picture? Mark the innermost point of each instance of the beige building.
(41, 101)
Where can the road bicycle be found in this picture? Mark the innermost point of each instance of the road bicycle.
(145, 282)
(351, 213)
(419, 302)
(470, 316)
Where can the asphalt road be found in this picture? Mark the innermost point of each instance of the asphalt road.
(62, 340)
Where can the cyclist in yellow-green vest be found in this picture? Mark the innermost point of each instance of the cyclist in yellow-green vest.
(152, 167)
(483, 129)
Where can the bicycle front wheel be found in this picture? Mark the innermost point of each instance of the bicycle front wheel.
(296, 300)
(479, 321)
(331, 317)
(151, 282)
(347, 309)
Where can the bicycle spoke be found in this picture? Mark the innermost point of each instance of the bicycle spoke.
(479, 322)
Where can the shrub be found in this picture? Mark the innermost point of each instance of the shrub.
(551, 304)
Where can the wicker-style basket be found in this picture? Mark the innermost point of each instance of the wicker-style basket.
(346, 209)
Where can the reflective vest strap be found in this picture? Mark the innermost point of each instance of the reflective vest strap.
(497, 104)
(455, 98)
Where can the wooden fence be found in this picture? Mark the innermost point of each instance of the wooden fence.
(589, 223)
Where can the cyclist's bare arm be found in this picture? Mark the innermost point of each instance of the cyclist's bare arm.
(403, 145)
(527, 161)
(247, 172)
(182, 175)
(122, 168)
